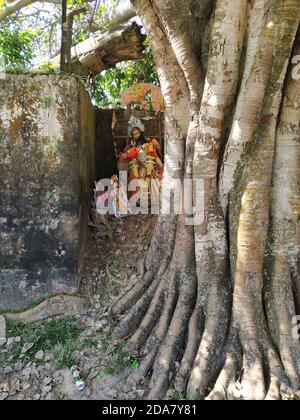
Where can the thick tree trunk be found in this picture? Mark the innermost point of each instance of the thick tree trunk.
(103, 51)
(214, 309)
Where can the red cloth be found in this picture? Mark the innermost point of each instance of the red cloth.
(133, 153)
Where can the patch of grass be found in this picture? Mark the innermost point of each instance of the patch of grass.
(64, 356)
(118, 359)
(145, 381)
(121, 361)
(62, 330)
(59, 337)
(88, 342)
(174, 395)
(114, 287)
(116, 266)
(293, 398)
(101, 262)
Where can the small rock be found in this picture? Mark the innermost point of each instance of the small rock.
(3, 396)
(112, 393)
(17, 366)
(46, 390)
(12, 386)
(140, 392)
(7, 370)
(11, 343)
(47, 381)
(87, 392)
(98, 326)
(126, 388)
(26, 373)
(6, 387)
(39, 355)
(27, 347)
(2, 342)
(47, 357)
(37, 397)
(50, 397)
(131, 396)
(47, 366)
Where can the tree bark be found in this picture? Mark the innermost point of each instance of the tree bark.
(103, 51)
(212, 316)
(64, 65)
(124, 11)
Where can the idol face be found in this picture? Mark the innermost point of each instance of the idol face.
(136, 133)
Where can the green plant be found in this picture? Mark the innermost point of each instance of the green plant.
(108, 87)
(116, 265)
(145, 381)
(58, 333)
(64, 356)
(16, 47)
(174, 395)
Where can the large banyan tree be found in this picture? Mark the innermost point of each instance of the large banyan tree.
(213, 315)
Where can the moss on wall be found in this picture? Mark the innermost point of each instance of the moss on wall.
(46, 170)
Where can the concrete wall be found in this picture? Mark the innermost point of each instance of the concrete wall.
(47, 128)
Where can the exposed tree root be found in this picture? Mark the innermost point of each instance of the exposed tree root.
(154, 312)
(252, 354)
(195, 330)
(60, 305)
(225, 387)
(153, 273)
(209, 354)
(169, 350)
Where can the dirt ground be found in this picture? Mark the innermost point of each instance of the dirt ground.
(35, 361)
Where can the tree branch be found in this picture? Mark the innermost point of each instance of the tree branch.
(70, 21)
(123, 12)
(16, 6)
(103, 51)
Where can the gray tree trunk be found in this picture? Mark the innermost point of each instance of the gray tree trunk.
(219, 298)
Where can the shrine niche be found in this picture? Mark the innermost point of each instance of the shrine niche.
(143, 102)
(134, 142)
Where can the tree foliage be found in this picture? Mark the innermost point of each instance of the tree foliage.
(16, 45)
(108, 86)
(44, 20)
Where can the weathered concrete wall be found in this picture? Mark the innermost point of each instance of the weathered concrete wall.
(47, 148)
